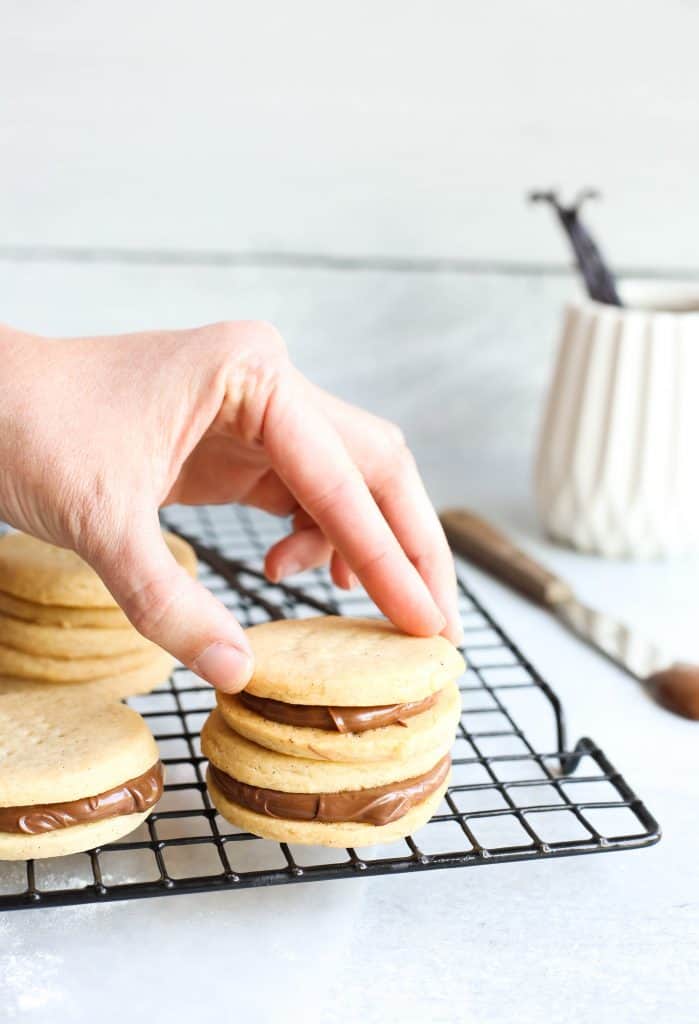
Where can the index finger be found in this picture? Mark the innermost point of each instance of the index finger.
(395, 483)
(310, 457)
(402, 498)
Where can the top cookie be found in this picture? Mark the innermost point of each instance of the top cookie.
(333, 660)
(54, 748)
(36, 571)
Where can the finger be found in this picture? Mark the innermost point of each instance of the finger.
(213, 474)
(301, 520)
(340, 572)
(374, 445)
(311, 459)
(302, 550)
(402, 498)
(287, 549)
(271, 495)
(174, 611)
(342, 575)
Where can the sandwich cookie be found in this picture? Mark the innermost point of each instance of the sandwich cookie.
(75, 642)
(342, 735)
(73, 775)
(43, 574)
(60, 625)
(43, 669)
(58, 615)
(299, 800)
(342, 689)
(132, 683)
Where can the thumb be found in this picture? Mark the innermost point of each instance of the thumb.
(174, 611)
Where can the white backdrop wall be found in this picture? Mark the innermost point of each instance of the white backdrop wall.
(171, 163)
(380, 128)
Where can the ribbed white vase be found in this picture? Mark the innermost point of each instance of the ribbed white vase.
(617, 470)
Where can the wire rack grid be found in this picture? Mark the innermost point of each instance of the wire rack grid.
(509, 799)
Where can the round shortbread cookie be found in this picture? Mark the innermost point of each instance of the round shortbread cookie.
(54, 748)
(248, 762)
(67, 618)
(21, 665)
(64, 841)
(318, 833)
(137, 681)
(426, 731)
(77, 642)
(334, 660)
(39, 572)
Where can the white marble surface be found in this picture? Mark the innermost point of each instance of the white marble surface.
(460, 361)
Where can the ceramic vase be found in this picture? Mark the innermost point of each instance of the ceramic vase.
(617, 468)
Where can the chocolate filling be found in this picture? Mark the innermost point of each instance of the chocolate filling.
(377, 806)
(336, 719)
(132, 797)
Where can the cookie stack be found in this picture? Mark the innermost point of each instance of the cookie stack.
(73, 774)
(342, 736)
(60, 625)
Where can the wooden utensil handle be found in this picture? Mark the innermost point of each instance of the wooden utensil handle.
(487, 547)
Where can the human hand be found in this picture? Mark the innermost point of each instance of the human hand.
(96, 434)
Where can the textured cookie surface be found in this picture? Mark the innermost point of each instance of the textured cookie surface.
(35, 571)
(58, 615)
(338, 660)
(426, 731)
(64, 841)
(317, 833)
(75, 642)
(136, 681)
(248, 762)
(41, 668)
(54, 748)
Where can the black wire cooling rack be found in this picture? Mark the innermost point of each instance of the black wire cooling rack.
(515, 794)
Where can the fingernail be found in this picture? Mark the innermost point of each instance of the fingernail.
(226, 667)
